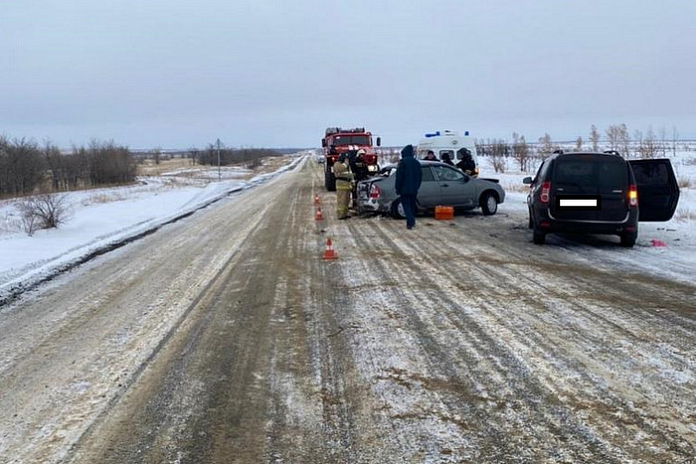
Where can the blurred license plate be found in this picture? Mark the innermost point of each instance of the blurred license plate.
(589, 202)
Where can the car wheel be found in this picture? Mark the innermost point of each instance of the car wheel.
(489, 204)
(539, 237)
(628, 239)
(397, 209)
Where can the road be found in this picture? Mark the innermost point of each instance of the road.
(225, 338)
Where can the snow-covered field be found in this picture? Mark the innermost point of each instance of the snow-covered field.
(102, 217)
(97, 219)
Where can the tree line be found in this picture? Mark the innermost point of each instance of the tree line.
(27, 168)
(616, 138)
(228, 156)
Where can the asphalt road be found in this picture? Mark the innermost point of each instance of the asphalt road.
(225, 338)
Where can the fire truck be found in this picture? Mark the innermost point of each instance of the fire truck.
(337, 140)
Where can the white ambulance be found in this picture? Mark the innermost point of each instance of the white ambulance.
(448, 144)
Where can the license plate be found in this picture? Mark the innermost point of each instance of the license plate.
(585, 202)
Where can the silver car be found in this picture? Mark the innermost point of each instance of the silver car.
(442, 185)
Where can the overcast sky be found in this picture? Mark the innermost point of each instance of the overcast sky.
(274, 73)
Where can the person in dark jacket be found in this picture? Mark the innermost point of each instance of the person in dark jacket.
(408, 181)
(430, 156)
(466, 161)
(445, 158)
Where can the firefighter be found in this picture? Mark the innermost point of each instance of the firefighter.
(344, 185)
(360, 169)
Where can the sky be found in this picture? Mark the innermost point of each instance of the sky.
(276, 73)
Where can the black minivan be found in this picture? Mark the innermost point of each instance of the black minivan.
(600, 193)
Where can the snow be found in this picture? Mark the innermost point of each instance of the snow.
(100, 219)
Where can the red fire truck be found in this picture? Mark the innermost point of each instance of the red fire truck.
(337, 140)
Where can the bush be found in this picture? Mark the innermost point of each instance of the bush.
(44, 211)
(685, 182)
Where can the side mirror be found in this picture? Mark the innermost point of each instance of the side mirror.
(527, 180)
(379, 141)
(323, 142)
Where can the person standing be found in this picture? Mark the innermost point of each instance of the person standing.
(408, 181)
(344, 181)
(466, 162)
(445, 158)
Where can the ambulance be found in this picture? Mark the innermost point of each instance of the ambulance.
(447, 144)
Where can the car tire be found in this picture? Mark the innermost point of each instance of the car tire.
(628, 239)
(489, 204)
(397, 209)
(538, 237)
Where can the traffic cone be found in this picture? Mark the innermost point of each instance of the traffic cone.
(318, 216)
(316, 199)
(329, 251)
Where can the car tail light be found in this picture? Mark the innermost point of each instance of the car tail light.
(545, 192)
(375, 192)
(632, 196)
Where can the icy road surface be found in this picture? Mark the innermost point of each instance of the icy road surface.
(225, 338)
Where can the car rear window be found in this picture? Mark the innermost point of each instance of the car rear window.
(590, 172)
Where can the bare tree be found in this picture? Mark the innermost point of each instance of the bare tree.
(647, 145)
(675, 137)
(193, 154)
(156, 154)
(624, 140)
(594, 138)
(497, 151)
(546, 146)
(663, 142)
(578, 144)
(614, 137)
(520, 151)
(54, 163)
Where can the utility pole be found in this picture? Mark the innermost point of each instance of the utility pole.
(218, 153)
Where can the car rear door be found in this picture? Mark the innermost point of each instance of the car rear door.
(658, 190)
(590, 187)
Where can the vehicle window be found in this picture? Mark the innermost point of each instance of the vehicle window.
(444, 173)
(344, 140)
(613, 175)
(427, 174)
(538, 175)
(651, 174)
(591, 172)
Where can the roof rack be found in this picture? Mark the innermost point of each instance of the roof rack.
(558, 152)
(612, 152)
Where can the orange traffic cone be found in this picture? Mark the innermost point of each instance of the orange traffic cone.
(319, 216)
(316, 199)
(329, 251)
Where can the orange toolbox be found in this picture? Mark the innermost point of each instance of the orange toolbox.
(444, 212)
